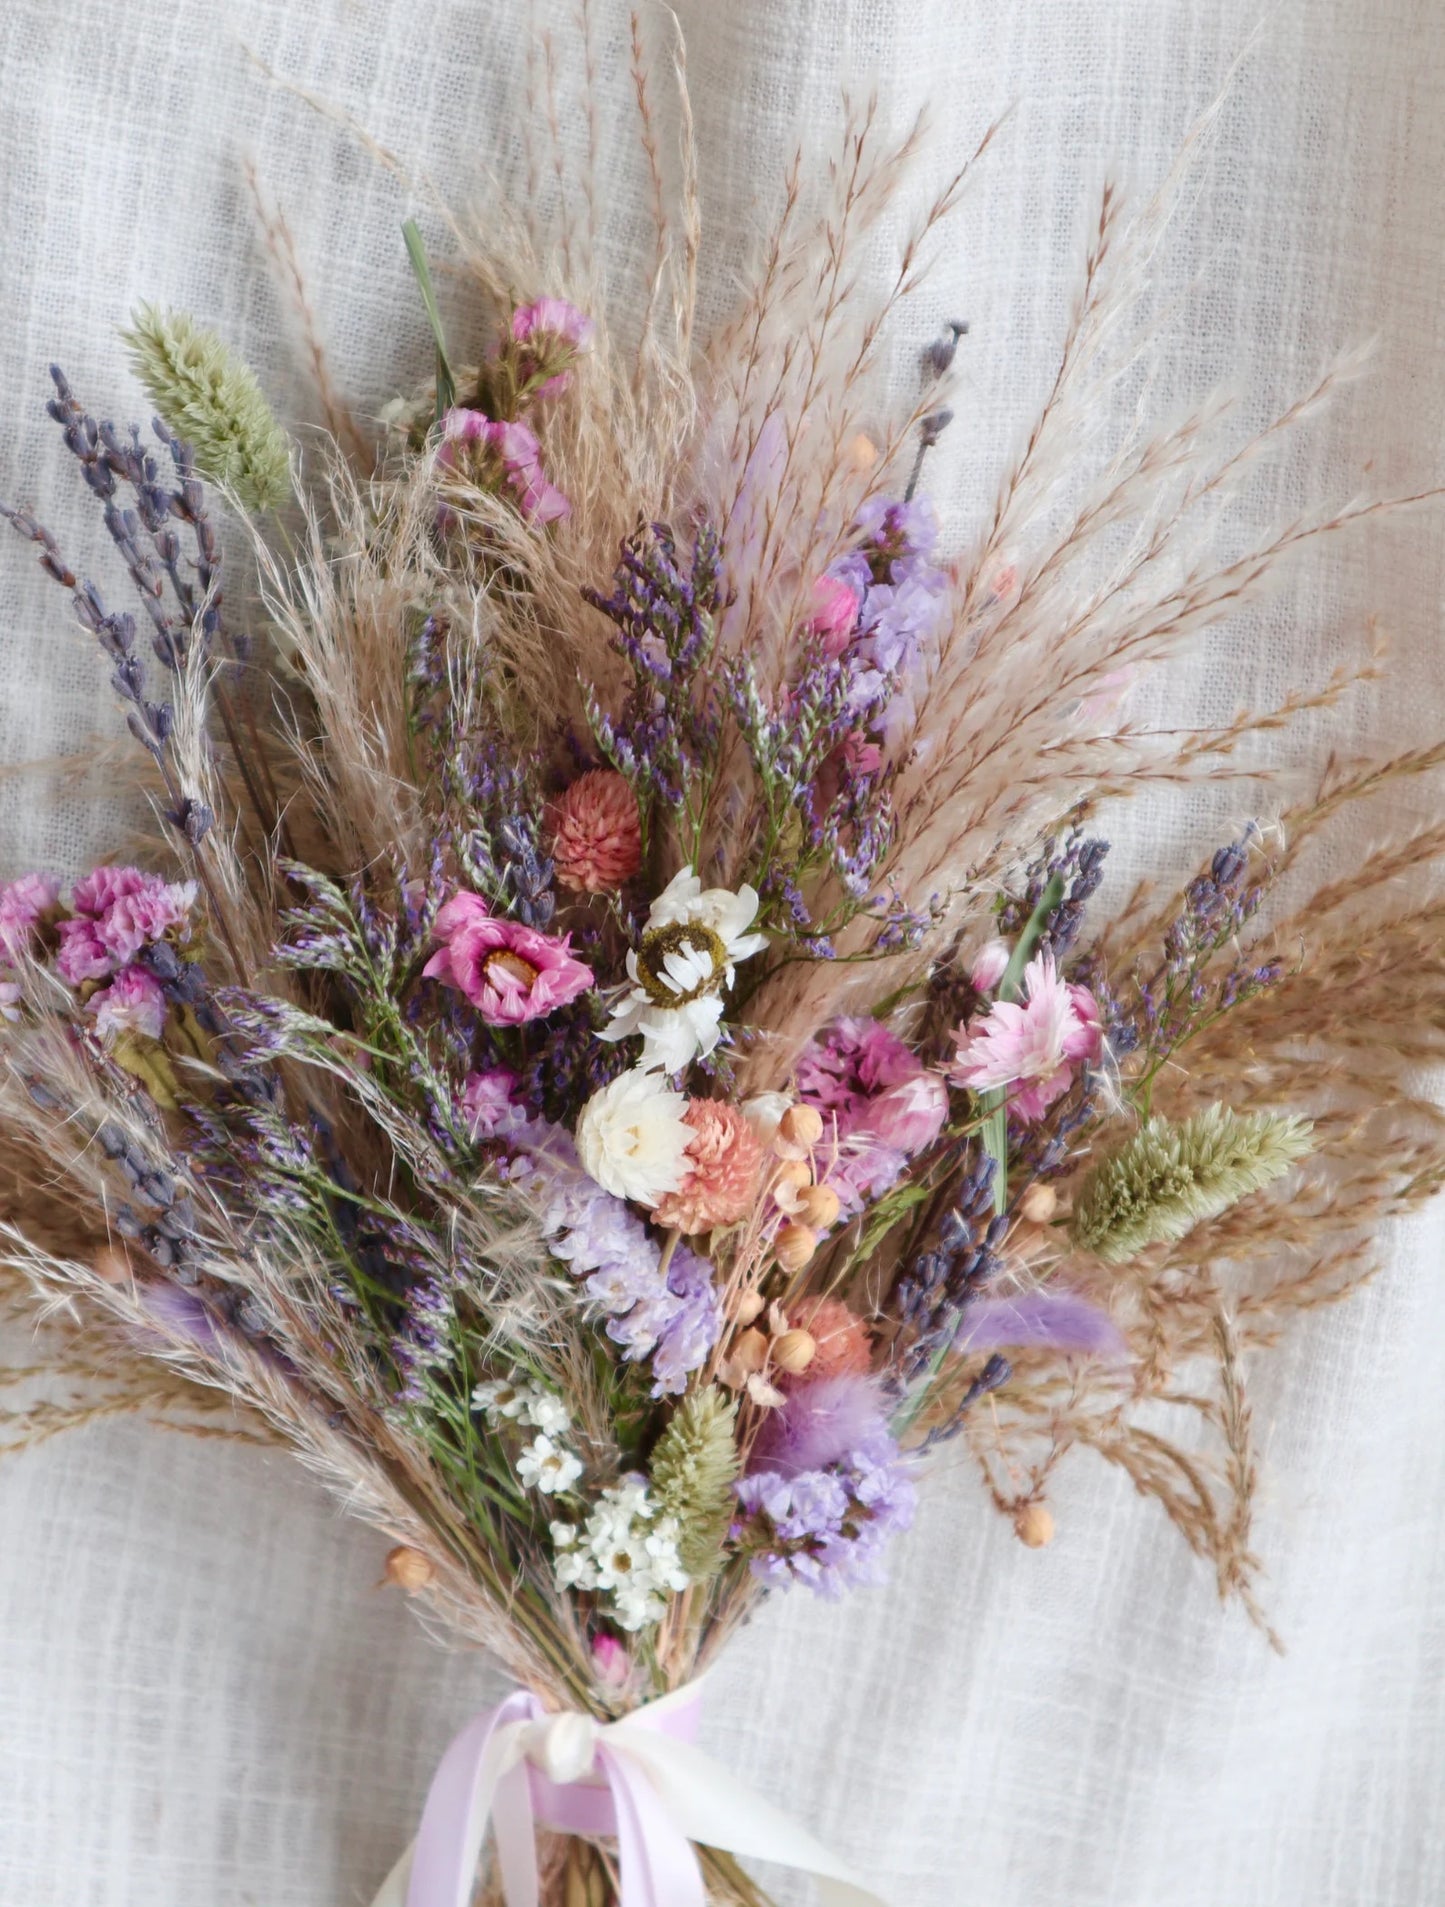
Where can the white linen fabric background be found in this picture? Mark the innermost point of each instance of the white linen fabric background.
(204, 1702)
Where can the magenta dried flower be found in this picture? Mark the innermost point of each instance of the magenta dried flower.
(509, 972)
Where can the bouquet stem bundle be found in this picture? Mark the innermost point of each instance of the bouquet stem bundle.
(611, 1054)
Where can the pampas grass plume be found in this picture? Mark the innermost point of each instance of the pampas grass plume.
(210, 397)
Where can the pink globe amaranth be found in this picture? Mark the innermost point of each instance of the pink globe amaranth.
(509, 972)
(597, 833)
(723, 1160)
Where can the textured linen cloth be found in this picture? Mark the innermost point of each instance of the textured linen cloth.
(204, 1702)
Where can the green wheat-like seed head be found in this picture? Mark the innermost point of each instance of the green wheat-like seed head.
(1170, 1177)
(694, 1468)
(210, 397)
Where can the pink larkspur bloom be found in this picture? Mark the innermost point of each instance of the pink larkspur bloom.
(509, 972)
(515, 450)
(835, 614)
(1028, 1048)
(133, 1003)
(990, 964)
(489, 1101)
(22, 902)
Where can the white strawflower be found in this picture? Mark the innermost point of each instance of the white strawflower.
(546, 1466)
(548, 1413)
(502, 1398)
(632, 1137)
(693, 940)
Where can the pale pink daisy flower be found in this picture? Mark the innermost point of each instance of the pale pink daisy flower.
(1028, 1048)
(552, 334)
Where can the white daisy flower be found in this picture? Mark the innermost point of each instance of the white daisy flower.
(547, 1467)
(548, 1413)
(502, 1398)
(632, 1138)
(691, 946)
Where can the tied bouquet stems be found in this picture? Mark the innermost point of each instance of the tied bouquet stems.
(613, 1052)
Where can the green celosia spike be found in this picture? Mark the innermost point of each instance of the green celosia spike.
(208, 396)
(694, 1468)
(1169, 1177)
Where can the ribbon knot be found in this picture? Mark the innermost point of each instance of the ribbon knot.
(639, 1781)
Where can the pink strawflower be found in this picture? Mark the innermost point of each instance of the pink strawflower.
(133, 1003)
(22, 903)
(509, 972)
(596, 833)
(845, 1344)
(835, 613)
(82, 956)
(723, 1159)
(553, 334)
(489, 1101)
(1028, 1048)
(514, 451)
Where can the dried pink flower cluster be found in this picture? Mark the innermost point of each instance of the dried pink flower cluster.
(883, 1106)
(509, 972)
(596, 833)
(119, 910)
(723, 1160)
(1029, 1049)
(552, 333)
(514, 451)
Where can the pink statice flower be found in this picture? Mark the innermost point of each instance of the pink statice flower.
(514, 451)
(134, 1002)
(490, 1103)
(509, 972)
(123, 910)
(552, 334)
(880, 1105)
(835, 613)
(22, 903)
(82, 955)
(1029, 1048)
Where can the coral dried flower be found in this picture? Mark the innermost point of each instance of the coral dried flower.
(844, 1342)
(723, 1158)
(596, 833)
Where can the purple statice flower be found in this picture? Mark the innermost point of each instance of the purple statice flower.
(490, 1103)
(903, 608)
(663, 603)
(882, 1105)
(827, 1488)
(672, 1317)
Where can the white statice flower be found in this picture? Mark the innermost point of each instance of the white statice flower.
(691, 946)
(624, 1551)
(632, 1137)
(548, 1467)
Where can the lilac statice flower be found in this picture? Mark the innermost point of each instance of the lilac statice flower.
(827, 1488)
(881, 1107)
(491, 1104)
(672, 1316)
(902, 609)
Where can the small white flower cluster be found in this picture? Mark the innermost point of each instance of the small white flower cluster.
(625, 1550)
(545, 1464)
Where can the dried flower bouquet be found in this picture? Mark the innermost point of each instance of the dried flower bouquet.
(609, 1054)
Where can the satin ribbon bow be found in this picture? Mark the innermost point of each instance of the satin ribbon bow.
(639, 1780)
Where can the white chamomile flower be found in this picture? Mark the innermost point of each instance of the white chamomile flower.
(547, 1467)
(632, 1137)
(694, 938)
(502, 1398)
